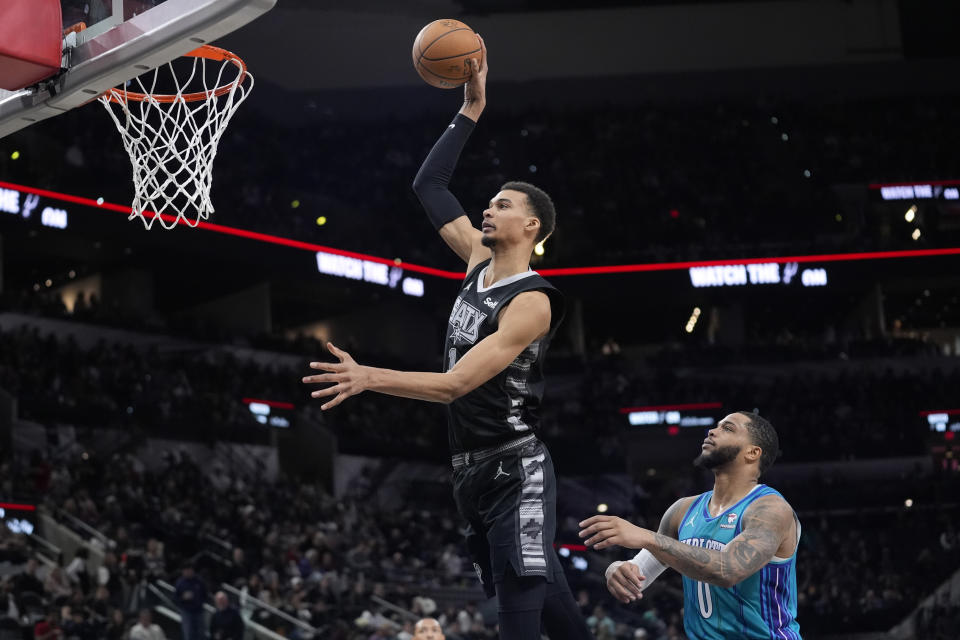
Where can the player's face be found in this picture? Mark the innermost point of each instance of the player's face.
(428, 629)
(507, 219)
(724, 442)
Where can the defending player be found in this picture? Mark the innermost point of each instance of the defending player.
(736, 545)
(497, 336)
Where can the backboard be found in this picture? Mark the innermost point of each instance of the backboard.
(123, 39)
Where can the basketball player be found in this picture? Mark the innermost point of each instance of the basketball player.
(428, 629)
(497, 336)
(736, 545)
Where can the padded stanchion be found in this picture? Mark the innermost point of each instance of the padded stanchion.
(30, 42)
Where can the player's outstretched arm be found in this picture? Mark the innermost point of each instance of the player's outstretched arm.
(433, 178)
(626, 580)
(524, 320)
(766, 524)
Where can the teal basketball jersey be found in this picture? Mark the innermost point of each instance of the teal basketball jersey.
(762, 606)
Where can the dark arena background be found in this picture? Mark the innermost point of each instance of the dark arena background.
(758, 208)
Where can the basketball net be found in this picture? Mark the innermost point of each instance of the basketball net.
(172, 138)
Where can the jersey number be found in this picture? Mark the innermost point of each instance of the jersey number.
(452, 357)
(704, 599)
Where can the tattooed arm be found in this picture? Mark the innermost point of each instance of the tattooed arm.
(767, 523)
(626, 581)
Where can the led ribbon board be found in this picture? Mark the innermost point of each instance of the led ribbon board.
(738, 275)
(816, 276)
(673, 415)
(28, 206)
(270, 412)
(332, 264)
(943, 421)
(934, 190)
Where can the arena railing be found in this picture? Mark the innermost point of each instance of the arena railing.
(77, 523)
(169, 610)
(409, 615)
(949, 589)
(158, 589)
(67, 539)
(47, 549)
(245, 599)
(220, 542)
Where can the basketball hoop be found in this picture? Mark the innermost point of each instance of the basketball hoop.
(172, 138)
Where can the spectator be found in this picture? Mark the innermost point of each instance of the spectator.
(191, 594)
(452, 562)
(77, 625)
(13, 548)
(239, 569)
(383, 632)
(153, 562)
(9, 606)
(465, 620)
(226, 623)
(57, 585)
(77, 569)
(48, 627)
(405, 633)
(601, 624)
(117, 626)
(145, 629)
(27, 580)
(100, 605)
(108, 575)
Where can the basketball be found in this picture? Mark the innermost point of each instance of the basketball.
(441, 53)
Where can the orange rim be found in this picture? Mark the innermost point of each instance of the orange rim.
(205, 51)
(76, 28)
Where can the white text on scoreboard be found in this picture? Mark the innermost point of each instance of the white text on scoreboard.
(737, 275)
(12, 203)
(261, 413)
(919, 192)
(943, 422)
(332, 264)
(650, 418)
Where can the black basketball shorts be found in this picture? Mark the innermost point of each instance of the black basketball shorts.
(508, 496)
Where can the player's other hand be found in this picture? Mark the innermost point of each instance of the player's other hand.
(475, 90)
(624, 581)
(347, 377)
(606, 531)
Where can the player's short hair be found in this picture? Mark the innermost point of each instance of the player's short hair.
(764, 436)
(540, 204)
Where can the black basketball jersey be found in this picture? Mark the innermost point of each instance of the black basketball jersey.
(507, 406)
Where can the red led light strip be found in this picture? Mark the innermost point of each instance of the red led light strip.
(949, 412)
(240, 233)
(13, 506)
(826, 257)
(692, 406)
(555, 272)
(270, 403)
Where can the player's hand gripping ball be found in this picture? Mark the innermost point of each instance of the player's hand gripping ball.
(442, 53)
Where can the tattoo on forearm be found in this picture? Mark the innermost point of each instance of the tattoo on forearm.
(764, 527)
(693, 562)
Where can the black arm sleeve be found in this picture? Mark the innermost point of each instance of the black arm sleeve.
(431, 182)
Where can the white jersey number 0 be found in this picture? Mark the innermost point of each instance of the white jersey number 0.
(704, 599)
